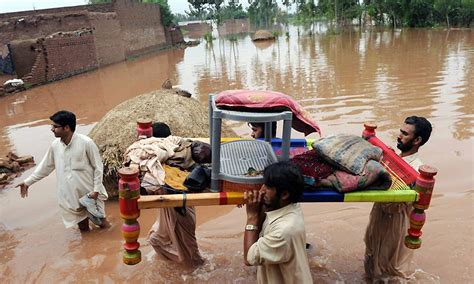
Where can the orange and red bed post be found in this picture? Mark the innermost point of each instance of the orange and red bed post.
(424, 187)
(129, 193)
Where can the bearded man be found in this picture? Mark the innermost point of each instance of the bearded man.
(386, 257)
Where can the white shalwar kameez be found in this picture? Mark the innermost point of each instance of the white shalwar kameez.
(78, 171)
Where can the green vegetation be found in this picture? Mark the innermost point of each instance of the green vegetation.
(208, 37)
(396, 13)
(262, 13)
(215, 10)
(267, 13)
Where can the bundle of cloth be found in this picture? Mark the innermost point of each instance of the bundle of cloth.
(166, 161)
(345, 163)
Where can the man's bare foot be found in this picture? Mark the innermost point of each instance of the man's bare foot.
(84, 225)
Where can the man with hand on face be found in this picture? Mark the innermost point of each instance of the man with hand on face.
(275, 237)
(385, 254)
(78, 165)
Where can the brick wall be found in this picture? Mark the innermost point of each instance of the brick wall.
(234, 26)
(174, 35)
(196, 30)
(42, 25)
(38, 71)
(108, 40)
(121, 29)
(141, 26)
(69, 56)
(103, 8)
(23, 55)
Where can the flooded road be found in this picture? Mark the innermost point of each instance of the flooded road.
(342, 80)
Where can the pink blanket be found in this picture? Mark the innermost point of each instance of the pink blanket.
(268, 101)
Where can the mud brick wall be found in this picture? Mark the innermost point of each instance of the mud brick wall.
(175, 35)
(142, 30)
(69, 56)
(42, 25)
(234, 26)
(24, 55)
(38, 71)
(103, 8)
(108, 39)
(196, 30)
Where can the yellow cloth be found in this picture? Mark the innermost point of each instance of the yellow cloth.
(280, 252)
(175, 177)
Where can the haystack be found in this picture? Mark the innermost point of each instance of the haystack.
(116, 131)
(262, 35)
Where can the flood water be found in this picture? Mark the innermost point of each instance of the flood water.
(343, 80)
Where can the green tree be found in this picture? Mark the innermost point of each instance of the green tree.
(341, 11)
(262, 13)
(419, 13)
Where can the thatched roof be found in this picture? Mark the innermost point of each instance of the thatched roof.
(186, 117)
(262, 35)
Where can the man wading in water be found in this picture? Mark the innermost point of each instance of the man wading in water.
(386, 255)
(79, 169)
(275, 237)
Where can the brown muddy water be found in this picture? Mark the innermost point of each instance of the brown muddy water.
(343, 80)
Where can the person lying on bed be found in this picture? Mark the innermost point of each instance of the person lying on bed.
(173, 233)
(385, 254)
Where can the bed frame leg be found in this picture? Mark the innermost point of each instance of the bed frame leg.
(424, 186)
(129, 193)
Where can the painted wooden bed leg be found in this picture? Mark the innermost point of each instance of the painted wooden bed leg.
(144, 128)
(369, 130)
(129, 193)
(424, 186)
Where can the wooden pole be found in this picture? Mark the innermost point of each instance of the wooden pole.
(195, 199)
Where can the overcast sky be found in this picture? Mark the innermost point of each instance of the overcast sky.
(177, 6)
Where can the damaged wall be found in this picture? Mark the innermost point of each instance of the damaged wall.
(53, 57)
(23, 55)
(37, 26)
(118, 30)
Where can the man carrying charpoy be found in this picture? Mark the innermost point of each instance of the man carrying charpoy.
(386, 256)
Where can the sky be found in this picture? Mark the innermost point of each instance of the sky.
(6, 6)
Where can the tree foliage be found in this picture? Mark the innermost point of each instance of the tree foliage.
(413, 13)
(262, 13)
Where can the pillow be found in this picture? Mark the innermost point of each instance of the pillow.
(347, 152)
(267, 101)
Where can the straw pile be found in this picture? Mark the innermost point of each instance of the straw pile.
(116, 131)
(262, 35)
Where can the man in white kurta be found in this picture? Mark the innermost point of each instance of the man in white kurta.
(78, 165)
